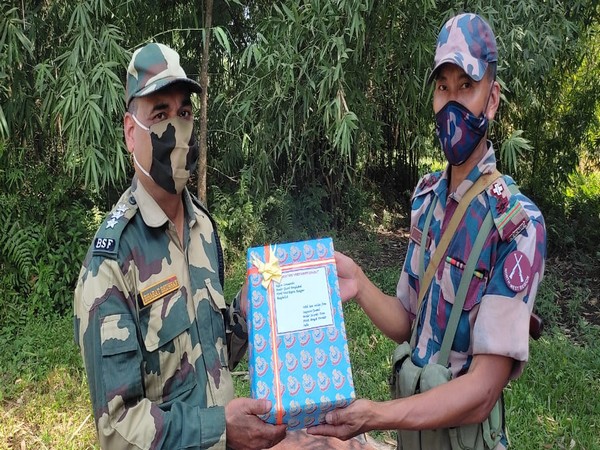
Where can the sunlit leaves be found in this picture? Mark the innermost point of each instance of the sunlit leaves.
(514, 148)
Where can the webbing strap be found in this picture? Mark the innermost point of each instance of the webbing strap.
(463, 287)
(424, 235)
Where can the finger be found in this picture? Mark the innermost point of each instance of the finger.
(260, 406)
(334, 417)
(280, 432)
(323, 430)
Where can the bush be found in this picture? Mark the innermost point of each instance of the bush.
(583, 211)
(45, 229)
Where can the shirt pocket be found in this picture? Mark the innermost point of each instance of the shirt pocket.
(217, 302)
(121, 360)
(450, 282)
(165, 329)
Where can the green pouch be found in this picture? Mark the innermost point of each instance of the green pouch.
(479, 436)
(409, 379)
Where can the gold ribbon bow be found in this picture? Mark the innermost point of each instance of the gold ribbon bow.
(270, 269)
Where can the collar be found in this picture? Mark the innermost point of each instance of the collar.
(486, 165)
(151, 212)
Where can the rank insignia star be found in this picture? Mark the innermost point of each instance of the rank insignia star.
(122, 208)
(111, 223)
(118, 214)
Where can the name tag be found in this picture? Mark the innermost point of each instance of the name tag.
(416, 235)
(159, 290)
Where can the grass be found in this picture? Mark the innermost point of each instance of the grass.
(44, 397)
(44, 400)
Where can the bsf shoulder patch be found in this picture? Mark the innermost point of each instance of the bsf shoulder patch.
(159, 290)
(106, 242)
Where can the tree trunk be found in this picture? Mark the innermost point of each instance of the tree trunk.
(203, 144)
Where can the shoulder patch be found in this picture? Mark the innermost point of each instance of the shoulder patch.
(106, 241)
(427, 182)
(509, 215)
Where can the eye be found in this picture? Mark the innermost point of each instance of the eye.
(466, 85)
(441, 87)
(185, 113)
(160, 116)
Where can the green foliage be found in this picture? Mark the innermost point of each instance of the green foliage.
(45, 229)
(513, 149)
(245, 220)
(583, 211)
(289, 106)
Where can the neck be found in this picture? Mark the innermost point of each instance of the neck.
(171, 204)
(458, 174)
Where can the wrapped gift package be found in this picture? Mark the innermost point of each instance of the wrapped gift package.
(298, 350)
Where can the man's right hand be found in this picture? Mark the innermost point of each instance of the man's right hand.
(245, 431)
(348, 273)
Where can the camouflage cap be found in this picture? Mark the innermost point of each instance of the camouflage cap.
(153, 67)
(468, 41)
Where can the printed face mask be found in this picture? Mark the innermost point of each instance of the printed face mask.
(459, 131)
(174, 153)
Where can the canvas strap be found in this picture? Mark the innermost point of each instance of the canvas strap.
(463, 287)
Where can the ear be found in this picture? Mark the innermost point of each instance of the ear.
(128, 129)
(493, 102)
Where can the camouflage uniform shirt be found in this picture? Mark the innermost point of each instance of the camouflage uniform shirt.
(152, 323)
(495, 316)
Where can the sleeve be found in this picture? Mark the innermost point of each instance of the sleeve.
(502, 324)
(237, 332)
(107, 333)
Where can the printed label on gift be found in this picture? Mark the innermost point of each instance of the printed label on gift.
(303, 299)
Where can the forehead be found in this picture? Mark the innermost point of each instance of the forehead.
(451, 71)
(173, 96)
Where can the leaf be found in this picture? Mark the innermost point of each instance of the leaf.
(222, 39)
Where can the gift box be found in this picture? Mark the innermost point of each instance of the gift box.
(298, 351)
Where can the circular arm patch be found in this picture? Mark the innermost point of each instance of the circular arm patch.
(517, 271)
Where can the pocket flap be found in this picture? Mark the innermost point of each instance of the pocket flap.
(216, 297)
(118, 335)
(164, 320)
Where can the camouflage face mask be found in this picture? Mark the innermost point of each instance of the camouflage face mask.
(174, 153)
(460, 131)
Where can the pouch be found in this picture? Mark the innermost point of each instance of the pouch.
(409, 379)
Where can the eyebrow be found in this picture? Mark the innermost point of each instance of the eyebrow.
(164, 105)
(461, 77)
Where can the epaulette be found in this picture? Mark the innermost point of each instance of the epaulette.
(426, 183)
(106, 241)
(507, 210)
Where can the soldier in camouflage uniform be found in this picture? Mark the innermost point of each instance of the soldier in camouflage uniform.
(491, 343)
(156, 336)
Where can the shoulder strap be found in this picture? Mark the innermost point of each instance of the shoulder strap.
(463, 287)
(424, 237)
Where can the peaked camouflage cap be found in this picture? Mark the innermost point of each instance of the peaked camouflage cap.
(154, 67)
(467, 41)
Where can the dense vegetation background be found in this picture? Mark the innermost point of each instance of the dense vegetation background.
(319, 122)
